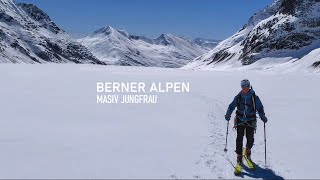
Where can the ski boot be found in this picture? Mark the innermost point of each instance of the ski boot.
(248, 153)
(247, 157)
(238, 168)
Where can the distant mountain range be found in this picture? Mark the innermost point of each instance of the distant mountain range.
(285, 32)
(206, 43)
(118, 47)
(28, 35)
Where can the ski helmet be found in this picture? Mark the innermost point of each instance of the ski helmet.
(245, 83)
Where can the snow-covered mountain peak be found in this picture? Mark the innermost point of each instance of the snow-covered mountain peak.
(166, 36)
(28, 35)
(270, 10)
(165, 39)
(121, 48)
(104, 31)
(108, 30)
(285, 29)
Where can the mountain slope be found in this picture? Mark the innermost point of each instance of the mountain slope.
(28, 35)
(286, 28)
(118, 47)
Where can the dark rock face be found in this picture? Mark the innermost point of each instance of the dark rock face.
(38, 15)
(316, 64)
(279, 33)
(221, 56)
(163, 40)
(2, 34)
(6, 17)
(22, 50)
(34, 12)
(76, 52)
(289, 6)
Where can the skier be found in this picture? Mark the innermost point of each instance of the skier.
(247, 104)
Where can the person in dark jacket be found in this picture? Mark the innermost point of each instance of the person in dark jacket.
(247, 103)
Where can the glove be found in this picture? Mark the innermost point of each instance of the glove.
(264, 119)
(227, 117)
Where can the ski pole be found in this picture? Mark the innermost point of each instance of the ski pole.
(265, 145)
(225, 149)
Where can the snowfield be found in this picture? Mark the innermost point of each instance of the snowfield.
(52, 127)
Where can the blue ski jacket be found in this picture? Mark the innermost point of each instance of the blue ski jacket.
(247, 105)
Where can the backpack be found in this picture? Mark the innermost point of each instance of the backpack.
(254, 123)
(253, 100)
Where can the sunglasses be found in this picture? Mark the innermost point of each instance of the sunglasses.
(245, 85)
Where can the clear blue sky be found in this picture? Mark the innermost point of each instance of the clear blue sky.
(215, 19)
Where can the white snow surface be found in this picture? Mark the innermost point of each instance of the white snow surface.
(51, 126)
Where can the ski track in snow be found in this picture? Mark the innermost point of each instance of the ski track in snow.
(212, 152)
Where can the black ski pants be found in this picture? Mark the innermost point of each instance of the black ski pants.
(241, 131)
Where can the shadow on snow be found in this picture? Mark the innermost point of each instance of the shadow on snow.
(258, 172)
(262, 173)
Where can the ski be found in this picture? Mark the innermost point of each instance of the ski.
(238, 169)
(249, 161)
